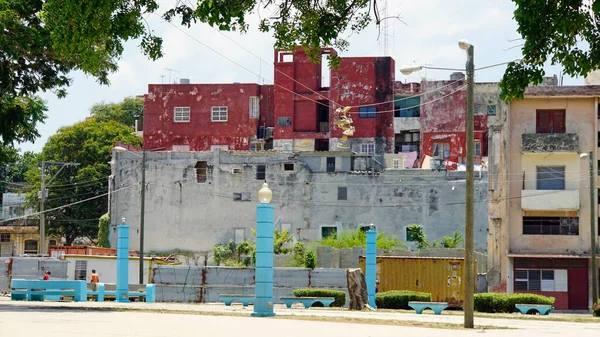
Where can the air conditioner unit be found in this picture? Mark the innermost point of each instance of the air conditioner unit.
(269, 133)
(236, 170)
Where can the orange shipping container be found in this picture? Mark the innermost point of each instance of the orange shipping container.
(441, 277)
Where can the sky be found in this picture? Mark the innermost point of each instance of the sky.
(428, 35)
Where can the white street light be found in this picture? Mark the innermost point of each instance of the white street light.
(464, 44)
(407, 70)
(265, 194)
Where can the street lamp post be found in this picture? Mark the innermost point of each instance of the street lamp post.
(593, 266)
(469, 277)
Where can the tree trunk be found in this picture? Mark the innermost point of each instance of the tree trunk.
(357, 289)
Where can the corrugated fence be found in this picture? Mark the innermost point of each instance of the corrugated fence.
(204, 284)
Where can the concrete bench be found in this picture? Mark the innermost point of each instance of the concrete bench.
(437, 307)
(307, 301)
(39, 290)
(245, 299)
(542, 309)
(100, 293)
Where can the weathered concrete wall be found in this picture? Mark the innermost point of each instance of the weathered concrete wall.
(30, 268)
(548, 142)
(185, 214)
(204, 284)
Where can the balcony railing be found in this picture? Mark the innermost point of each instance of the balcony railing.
(549, 142)
(549, 200)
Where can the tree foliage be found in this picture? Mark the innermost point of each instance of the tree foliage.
(89, 144)
(103, 231)
(555, 31)
(358, 238)
(125, 112)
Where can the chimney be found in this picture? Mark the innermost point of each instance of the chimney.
(456, 76)
(184, 81)
(550, 80)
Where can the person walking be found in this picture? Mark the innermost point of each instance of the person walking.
(94, 278)
(46, 274)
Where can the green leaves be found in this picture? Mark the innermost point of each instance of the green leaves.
(125, 112)
(88, 143)
(103, 231)
(554, 31)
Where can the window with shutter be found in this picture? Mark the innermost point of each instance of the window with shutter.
(550, 177)
(550, 121)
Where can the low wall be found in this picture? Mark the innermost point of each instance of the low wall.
(204, 284)
(29, 268)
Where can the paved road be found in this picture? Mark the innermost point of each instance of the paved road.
(52, 322)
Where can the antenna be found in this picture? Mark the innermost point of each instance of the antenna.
(162, 79)
(385, 29)
(170, 72)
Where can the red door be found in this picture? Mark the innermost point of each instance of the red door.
(578, 288)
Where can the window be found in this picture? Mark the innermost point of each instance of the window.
(254, 107)
(219, 113)
(238, 235)
(330, 164)
(550, 177)
(327, 231)
(541, 280)
(181, 114)
(256, 146)
(396, 163)
(368, 148)
(550, 121)
(440, 150)
(367, 112)
(533, 225)
(407, 107)
(261, 172)
(52, 243)
(31, 247)
(288, 166)
(180, 148)
(81, 270)
(236, 170)
(4, 237)
(342, 193)
(491, 110)
(284, 121)
(245, 196)
(201, 168)
(478, 148)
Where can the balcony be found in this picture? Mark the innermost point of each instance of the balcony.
(549, 142)
(549, 200)
(406, 124)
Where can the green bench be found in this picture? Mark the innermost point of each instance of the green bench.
(542, 309)
(437, 307)
(307, 301)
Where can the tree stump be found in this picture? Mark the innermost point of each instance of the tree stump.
(357, 289)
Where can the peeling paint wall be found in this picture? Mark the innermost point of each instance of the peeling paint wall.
(358, 81)
(200, 133)
(182, 213)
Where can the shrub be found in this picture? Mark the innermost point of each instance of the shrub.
(499, 302)
(596, 309)
(340, 296)
(358, 238)
(310, 260)
(398, 299)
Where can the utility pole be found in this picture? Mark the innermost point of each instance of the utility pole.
(470, 194)
(593, 229)
(44, 194)
(142, 211)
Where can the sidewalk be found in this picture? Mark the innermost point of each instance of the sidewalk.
(541, 324)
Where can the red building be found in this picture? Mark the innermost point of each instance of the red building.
(443, 123)
(308, 94)
(202, 117)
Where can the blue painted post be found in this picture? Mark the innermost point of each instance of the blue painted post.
(371, 265)
(122, 263)
(263, 293)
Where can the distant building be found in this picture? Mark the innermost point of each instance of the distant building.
(539, 198)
